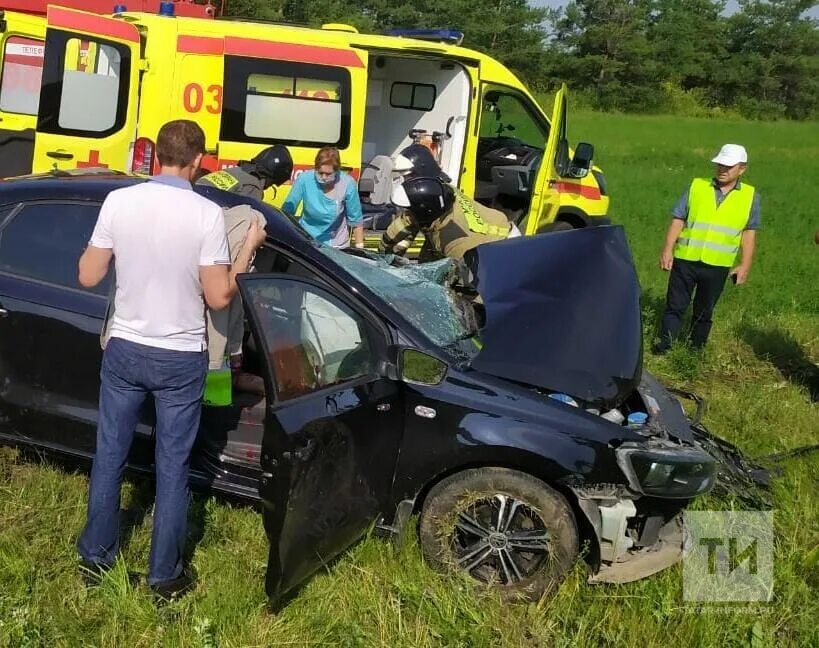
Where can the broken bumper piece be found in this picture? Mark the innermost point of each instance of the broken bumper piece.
(633, 542)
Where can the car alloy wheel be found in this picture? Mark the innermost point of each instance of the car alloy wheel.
(502, 527)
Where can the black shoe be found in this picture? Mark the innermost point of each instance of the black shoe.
(92, 573)
(173, 589)
(660, 349)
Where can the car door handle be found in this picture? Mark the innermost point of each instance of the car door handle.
(305, 453)
(60, 155)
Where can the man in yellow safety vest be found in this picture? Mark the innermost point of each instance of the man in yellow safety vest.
(713, 221)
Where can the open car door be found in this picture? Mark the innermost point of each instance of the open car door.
(21, 67)
(89, 100)
(543, 207)
(333, 422)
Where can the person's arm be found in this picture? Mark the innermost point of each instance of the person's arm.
(216, 274)
(354, 213)
(398, 237)
(747, 245)
(291, 203)
(94, 264)
(672, 234)
(96, 259)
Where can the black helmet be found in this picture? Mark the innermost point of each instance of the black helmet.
(427, 198)
(274, 164)
(421, 161)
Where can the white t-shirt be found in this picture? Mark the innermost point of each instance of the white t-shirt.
(160, 233)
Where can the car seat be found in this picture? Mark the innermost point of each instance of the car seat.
(374, 188)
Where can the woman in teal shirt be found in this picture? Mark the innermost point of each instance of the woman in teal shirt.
(329, 200)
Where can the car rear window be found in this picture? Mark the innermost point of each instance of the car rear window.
(44, 241)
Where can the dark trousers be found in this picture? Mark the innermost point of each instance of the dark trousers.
(686, 277)
(176, 379)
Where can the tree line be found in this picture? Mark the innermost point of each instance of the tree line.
(682, 56)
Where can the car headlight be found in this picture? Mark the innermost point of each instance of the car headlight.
(668, 472)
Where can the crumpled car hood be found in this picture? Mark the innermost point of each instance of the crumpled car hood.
(562, 313)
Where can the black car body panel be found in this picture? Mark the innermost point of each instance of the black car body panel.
(334, 455)
(567, 318)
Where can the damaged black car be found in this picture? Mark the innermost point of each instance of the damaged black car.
(516, 423)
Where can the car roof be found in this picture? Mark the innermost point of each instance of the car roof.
(95, 184)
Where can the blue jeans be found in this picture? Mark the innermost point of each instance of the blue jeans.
(176, 379)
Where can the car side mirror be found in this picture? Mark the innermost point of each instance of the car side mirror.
(418, 367)
(582, 160)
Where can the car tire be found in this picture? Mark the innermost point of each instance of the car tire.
(459, 531)
(556, 226)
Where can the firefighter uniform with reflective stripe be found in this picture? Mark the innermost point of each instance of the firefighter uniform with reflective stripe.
(712, 232)
(466, 226)
(704, 253)
(235, 180)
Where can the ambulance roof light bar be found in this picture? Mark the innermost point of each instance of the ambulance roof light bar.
(452, 36)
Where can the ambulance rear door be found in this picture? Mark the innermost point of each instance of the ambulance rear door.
(22, 40)
(89, 99)
(303, 96)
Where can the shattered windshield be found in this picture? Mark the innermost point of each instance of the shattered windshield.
(418, 292)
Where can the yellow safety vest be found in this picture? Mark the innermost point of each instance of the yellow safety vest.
(712, 234)
(475, 221)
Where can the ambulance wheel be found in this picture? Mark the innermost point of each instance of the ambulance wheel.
(503, 528)
(556, 226)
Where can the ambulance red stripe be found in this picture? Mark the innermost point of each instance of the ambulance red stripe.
(292, 52)
(20, 59)
(83, 22)
(592, 193)
(200, 45)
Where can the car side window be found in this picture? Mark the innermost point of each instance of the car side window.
(44, 241)
(313, 339)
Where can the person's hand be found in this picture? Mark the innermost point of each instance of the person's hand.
(741, 274)
(256, 235)
(666, 260)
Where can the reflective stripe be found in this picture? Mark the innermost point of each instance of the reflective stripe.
(475, 220)
(722, 229)
(221, 180)
(696, 243)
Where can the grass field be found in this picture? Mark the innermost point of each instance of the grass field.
(759, 375)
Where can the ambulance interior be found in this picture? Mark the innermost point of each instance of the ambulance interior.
(430, 98)
(411, 100)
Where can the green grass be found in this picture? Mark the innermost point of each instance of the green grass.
(758, 375)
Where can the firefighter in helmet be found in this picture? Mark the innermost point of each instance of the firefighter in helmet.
(270, 167)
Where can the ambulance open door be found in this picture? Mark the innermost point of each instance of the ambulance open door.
(87, 115)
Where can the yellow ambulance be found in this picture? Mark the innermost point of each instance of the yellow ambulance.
(21, 62)
(110, 82)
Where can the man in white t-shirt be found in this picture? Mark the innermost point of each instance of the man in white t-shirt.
(171, 258)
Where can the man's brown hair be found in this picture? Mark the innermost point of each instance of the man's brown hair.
(179, 142)
(328, 155)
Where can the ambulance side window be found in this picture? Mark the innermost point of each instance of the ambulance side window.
(85, 85)
(22, 65)
(299, 104)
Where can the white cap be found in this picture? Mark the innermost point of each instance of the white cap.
(731, 154)
(399, 196)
